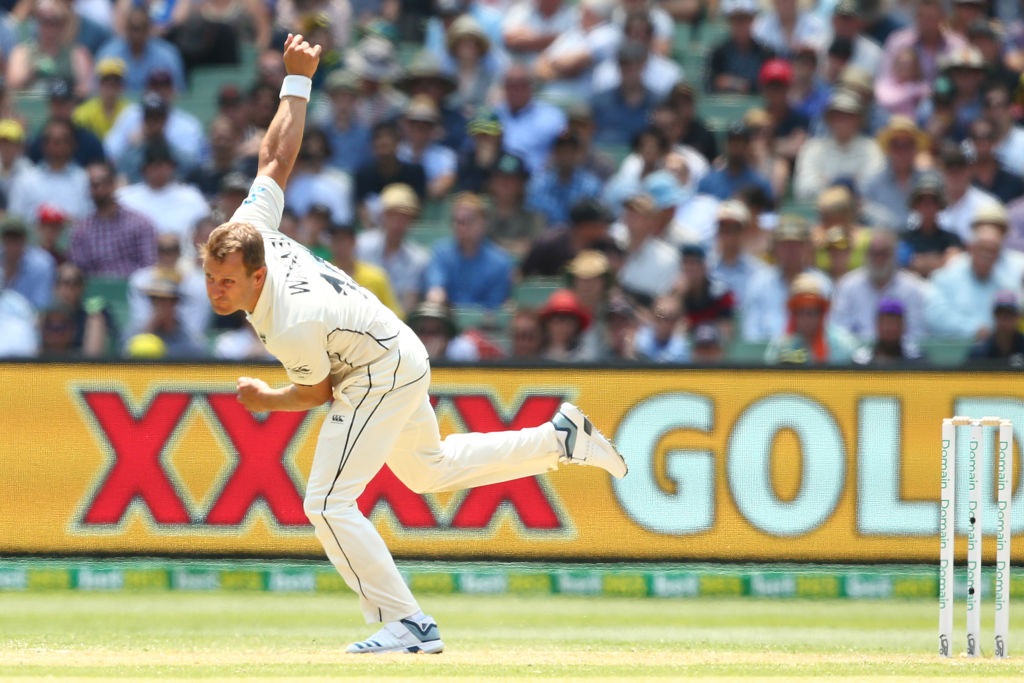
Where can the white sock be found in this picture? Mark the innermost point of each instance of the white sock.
(420, 618)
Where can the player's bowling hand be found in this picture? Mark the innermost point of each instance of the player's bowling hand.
(253, 393)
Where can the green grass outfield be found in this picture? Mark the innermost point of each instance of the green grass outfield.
(69, 635)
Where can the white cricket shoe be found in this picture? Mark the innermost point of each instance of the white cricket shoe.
(404, 635)
(584, 445)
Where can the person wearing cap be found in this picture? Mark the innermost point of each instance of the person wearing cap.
(50, 222)
(734, 64)
(693, 131)
(223, 160)
(734, 260)
(155, 111)
(809, 337)
(563, 181)
(472, 63)
(182, 129)
(705, 298)
(478, 158)
(435, 325)
(737, 171)
(964, 289)
(987, 38)
(662, 338)
(383, 169)
(621, 112)
(763, 314)
(928, 35)
(707, 346)
(659, 74)
(98, 113)
(566, 67)
(532, 25)
(49, 53)
(886, 195)
(839, 208)
(348, 136)
(844, 152)
(190, 288)
(166, 321)
(529, 124)
(314, 182)
(966, 71)
(342, 253)
(785, 27)
(651, 265)
(112, 241)
(963, 199)
(420, 131)
(998, 109)
(389, 247)
(589, 221)
(621, 321)
(927, 244)
(468, 269)
(858, 293)
(848, 21)
(61, 105)
(375, 64)
(891, 344)
(987, 172)
(510, 224)
(24, 267)
(143, 52)
(426, 77)
(564, 319)
(12, 153)
(56, 179)
(1005, 345)
(787, 127)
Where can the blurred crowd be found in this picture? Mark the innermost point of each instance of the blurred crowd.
(671, 181)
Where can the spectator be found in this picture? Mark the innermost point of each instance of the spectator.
(848, 22)
(419, 145)
(61, 106)
(622, 324)
(809, 338)
(589, 221)
(694, 131)
(143, 52)
(862, 84)
(591, 279)
(189, 284)
(763, 316)
(964, 289)
(83, 326)
(859, 293)
(567, 66)
(887, 194)
(477, 160)
(530, 126)
(962, 199)
(1005, 344)
(1015, 234)
(166, 322)
(564, 320)
(18, 321)
(474, 65)
(592, 158)
(233, 190)
(843, 153)
(735, 63)
(314, 229)
(784, 28)
(966, 71)
(926, 244)
(693, 218)
(527, 336)
(987, 172)
(663, 339)
(248, 20)
(1009, 136)
(510, 224)
(532, 25)
(650, 148)
(986, 37)
(891, 343)
(349, 138)
(706, 300)
(51, 54)
(155, 112)
(433, 324)
(837, 208)
(809, 92)
(12, 154)
(371, 277)
(928, 36)
(554, 189)
(427, 79)
(112, 241)
(24, 267)
(661, 20)
(291, 15)
(50, 223)
(707, 347)
(763, 155)
(835, 254)
(98, 113)
(314, 182)
(965, 13)
(732, 262)
(225, 141)
(787, 127)
(659, 74)
(388, 247)
(385, 168)
(374, 62)
(468, 269)
(57, 179)
(903, 90)
(173, 207)
(737, 170)
(651, 265)
(620, 112)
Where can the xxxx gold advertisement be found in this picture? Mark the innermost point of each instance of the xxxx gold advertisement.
(724, 465)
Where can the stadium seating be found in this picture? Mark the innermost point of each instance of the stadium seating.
(532, 292)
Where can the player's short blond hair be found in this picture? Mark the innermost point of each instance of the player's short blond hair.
(228, 238)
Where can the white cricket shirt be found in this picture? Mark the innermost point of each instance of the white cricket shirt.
(311, 315)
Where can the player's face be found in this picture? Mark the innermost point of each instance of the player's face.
(229, 287)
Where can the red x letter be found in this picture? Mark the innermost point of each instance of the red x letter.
(137, 443)
(260, 472)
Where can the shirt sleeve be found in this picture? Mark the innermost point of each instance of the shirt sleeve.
(263, 207)
(303, 353)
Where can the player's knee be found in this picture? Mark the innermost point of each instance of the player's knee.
(319, 508)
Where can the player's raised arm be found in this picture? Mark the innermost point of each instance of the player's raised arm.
(280, 145)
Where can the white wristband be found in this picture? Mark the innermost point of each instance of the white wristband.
(297, 86)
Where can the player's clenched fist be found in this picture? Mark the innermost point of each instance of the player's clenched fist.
(300, 58)
(253, 393)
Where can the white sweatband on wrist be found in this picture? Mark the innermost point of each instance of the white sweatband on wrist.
(297, 86)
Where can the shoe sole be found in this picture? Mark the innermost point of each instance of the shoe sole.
(431, 647)
(577, 417)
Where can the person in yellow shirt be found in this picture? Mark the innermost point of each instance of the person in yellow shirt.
(342, 246)
(99, 112)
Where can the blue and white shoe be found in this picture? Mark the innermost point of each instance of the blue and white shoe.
(404, 635)
(584, 445)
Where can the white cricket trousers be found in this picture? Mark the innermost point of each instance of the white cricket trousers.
(382, 414)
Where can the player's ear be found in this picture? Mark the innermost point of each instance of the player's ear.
(259, 276)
